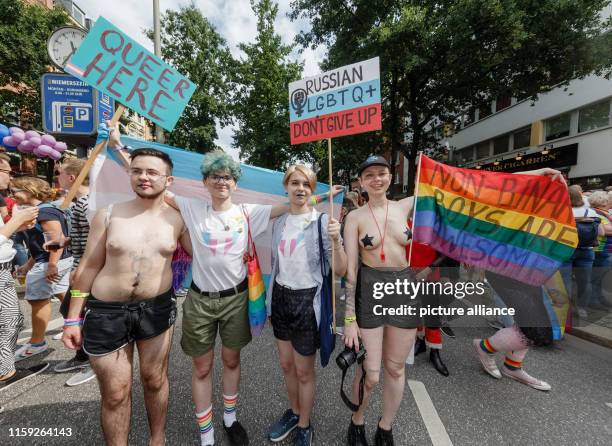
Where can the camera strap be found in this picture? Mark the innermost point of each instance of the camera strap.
(354, 407)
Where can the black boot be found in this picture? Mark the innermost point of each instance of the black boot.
(383, 437)
(436, 360)
(419, 346)
(356, 435)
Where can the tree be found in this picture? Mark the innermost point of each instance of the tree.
(438, 58)
(261, 106)
(24, 30)
(192, 45)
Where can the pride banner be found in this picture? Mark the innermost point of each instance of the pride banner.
(109, 183)
(520, 226)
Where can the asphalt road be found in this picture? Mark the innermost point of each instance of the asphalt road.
(467, 408)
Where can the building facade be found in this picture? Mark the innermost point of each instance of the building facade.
(568, 128)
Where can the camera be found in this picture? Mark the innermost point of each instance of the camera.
(345, 360)
(349, 356)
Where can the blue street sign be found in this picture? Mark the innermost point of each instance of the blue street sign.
(71, 107)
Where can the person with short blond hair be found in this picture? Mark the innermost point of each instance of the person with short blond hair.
(47, 270)
(294, 297)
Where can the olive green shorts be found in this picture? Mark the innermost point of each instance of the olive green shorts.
(203, 316)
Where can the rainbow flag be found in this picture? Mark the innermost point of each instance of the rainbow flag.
(519, 226)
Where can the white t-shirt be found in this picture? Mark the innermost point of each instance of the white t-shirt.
(7, 252)
(293, 269)
(219, 240)
(580, 212)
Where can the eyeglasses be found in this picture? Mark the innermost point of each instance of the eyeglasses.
(152, 175)
(217, 179)
(14, 191)
(10, 172)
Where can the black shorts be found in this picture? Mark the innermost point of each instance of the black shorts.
(293, 318)
(369, 308)
(109, 326)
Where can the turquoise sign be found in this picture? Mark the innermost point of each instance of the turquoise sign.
(115, 64)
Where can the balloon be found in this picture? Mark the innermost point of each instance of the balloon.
(31, 134)
(48, 140)
(60, 146)
(14, 130)
(18, 137)
(35, 141)
(43, 150)
(4, 131)
(54, 154)
(25, 147)
(8, 141)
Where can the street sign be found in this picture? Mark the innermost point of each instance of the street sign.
(117, 65)
(71, 107)
(339, 102)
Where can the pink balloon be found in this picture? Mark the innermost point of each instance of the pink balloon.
(9, 141)
(35, 141)
(48, 140)
(55, 155)
(60, 146)
(25, 147)
(31, 134)
(43, 150)
(18, 137)
(14, 130)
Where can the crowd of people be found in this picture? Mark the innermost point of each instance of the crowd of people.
(114, 278)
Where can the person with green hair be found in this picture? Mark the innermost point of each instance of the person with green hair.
(217, 301)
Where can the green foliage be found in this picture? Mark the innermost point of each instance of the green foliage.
(441, 57)
(192, 45)
(261, 108)
(24, 30)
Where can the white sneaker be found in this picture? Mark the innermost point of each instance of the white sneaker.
(525, 378)
(87, 374)
(486, 360)
(27, 351)
(58, 336)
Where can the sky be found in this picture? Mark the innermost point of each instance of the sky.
(233, 19)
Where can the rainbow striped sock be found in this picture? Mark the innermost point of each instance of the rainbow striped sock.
(486, 347)
(229, 409)
(512, 364)
(207, 432)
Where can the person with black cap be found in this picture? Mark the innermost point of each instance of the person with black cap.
(377, 233)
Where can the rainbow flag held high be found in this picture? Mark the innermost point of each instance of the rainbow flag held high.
(519, 226)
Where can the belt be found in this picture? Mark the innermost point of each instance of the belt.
(242, 286)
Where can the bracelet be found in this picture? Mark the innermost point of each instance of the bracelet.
(314, 200)
(71, 324)
(349, 319)
(76, 294)
(74, 319)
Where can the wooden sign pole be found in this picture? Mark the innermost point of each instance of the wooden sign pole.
(331, 215)
(92, 157)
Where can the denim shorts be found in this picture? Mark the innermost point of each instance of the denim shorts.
(37, 287)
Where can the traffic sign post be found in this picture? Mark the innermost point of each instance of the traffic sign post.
(71, 107)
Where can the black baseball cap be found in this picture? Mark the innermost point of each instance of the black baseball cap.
(374, 160)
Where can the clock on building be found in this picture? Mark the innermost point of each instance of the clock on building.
(63, 43)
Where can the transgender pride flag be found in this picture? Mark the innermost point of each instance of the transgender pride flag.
(109, 183)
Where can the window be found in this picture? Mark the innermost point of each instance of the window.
(594, 116)
(484, 110)
(502, 102)
(465, 155)
(483, 150)
(558, 127)
(522, 138)
(501, 145)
